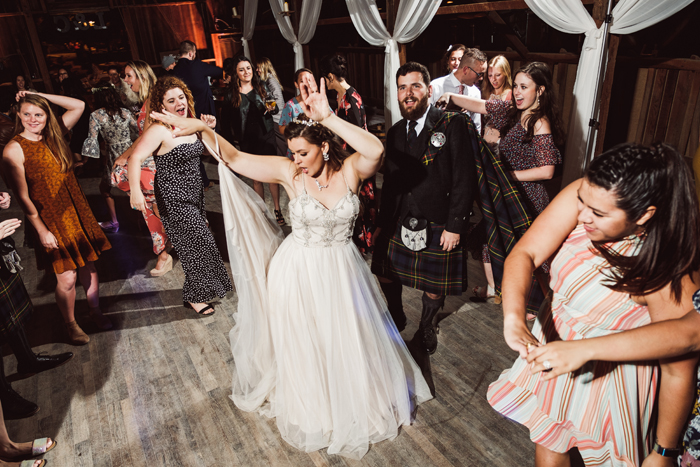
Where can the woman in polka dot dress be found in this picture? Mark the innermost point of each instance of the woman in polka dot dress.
(180, 198)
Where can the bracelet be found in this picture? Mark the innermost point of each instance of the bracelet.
(666, 452)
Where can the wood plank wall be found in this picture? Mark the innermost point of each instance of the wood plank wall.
(366, 72)
(666, 107)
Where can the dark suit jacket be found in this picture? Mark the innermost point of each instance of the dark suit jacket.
(443, 191)
(194, 73)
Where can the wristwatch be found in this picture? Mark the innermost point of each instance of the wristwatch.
(666, 452)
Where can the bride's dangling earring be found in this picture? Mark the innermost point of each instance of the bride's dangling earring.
(326, 156)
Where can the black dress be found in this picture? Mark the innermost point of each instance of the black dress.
(180, 198)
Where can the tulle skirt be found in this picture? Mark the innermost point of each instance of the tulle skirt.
(344, 375)
(314, 345)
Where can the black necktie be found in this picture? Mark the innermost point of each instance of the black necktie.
(412, 135)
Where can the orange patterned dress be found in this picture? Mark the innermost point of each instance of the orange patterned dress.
(64, 210)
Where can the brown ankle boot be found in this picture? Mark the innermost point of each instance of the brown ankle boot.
(76, 336)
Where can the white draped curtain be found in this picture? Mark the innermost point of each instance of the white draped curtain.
(250, 12)
(570, 16)
(310, 9)
(411, 20)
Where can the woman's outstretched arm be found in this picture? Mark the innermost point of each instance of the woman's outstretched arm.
(665, 339)
(266, 169)
(471, 104)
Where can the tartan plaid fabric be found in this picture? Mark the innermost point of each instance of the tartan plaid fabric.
(431, 270)
(505, 213)
(440, 127)
(15, 304)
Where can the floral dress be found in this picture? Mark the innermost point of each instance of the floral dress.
(120, 179)
(518, 155)
(119, 131)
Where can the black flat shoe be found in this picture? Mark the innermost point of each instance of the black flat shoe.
(43, 363)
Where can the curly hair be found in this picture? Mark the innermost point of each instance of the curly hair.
(164, 85)
(317, 134)
(106, 97)
(52, 133)
(548, 109)
(640, 177)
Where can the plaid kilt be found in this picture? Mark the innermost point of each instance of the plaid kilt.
(431, 270)
(15, 304)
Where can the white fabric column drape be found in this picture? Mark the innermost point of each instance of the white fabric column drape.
(571, 17)
(250, 12)
(310, 9)
(411, 20)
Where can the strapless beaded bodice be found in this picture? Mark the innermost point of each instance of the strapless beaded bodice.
(316, 226)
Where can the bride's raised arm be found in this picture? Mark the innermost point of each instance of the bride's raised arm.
(367, 160)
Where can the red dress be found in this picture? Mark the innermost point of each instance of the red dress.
(64, 210)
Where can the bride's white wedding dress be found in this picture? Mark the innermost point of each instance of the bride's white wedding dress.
(314, 345)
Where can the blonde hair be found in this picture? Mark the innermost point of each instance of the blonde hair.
(52, 134)
(266, 69)
(499, 61)
(164, 85)
(145, 75)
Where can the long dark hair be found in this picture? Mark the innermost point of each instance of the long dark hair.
(233, 94)
(317, 134)
(106, 97)
(542, 76)
(639, 177)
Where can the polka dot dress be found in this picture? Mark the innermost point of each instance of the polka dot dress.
(180, 198)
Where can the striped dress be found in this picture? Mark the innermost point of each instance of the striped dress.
(604, 408)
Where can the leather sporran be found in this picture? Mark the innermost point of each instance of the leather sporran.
(415, 233)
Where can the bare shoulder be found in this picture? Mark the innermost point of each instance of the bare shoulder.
(13, 153)
(663, 306)
(542, 127)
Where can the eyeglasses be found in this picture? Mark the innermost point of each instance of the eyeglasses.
(62, 74)
(478, 75)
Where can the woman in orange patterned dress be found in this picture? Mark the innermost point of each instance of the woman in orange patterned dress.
(39, 164)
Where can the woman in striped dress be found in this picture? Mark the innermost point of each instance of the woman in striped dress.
(618, 266)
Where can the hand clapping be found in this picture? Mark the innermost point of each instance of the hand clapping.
(314, 103)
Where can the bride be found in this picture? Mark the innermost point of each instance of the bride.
(314, 345)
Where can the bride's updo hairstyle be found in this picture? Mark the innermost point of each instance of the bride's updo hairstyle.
(317, 134)
(639, 177)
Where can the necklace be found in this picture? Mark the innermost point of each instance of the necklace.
(320, 187)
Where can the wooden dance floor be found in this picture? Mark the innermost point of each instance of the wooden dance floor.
(154, 391)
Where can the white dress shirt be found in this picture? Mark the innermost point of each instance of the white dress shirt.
(449, 83)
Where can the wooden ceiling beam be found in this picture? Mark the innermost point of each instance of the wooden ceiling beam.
(509, 34)
(489, 6)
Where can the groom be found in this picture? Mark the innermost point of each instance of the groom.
(427, 195)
